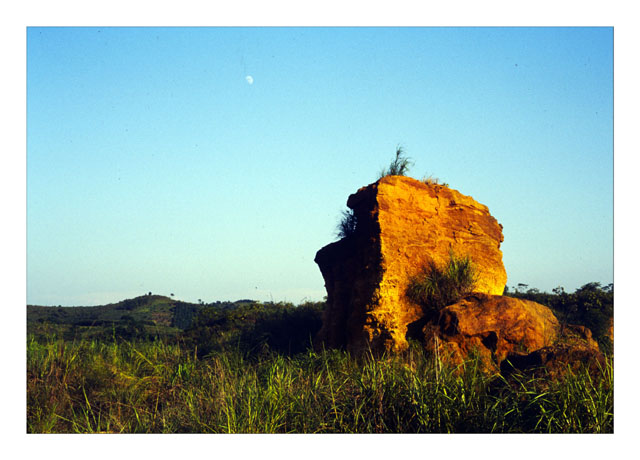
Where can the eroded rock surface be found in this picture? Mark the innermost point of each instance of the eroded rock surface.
(401, 224)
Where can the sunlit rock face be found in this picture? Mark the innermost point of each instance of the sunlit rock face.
(401, 224)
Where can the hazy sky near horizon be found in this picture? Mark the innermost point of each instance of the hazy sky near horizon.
(213, 163)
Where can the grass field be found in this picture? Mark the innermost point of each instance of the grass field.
(156, 365)
(118, 386)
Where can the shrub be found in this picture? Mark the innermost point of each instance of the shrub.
(590, 305)
(347, 225)
(250, 328)
(399, 166)
(436, 287)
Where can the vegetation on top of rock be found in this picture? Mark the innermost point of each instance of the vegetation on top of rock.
(399, 166)
(436, 287)
(430, 180)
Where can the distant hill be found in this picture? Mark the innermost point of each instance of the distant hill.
(244, 324)
(150, 310)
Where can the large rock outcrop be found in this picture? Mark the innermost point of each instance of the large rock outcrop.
(401, 224)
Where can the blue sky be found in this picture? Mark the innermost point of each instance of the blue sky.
(155, 164)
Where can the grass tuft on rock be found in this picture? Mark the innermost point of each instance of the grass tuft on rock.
(436, 287)
(399, 166)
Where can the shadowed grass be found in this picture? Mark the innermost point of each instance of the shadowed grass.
(347, 224)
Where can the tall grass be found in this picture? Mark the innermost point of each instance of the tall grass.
(151, 387)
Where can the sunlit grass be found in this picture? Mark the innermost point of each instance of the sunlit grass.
(436, 286)
(399, 166)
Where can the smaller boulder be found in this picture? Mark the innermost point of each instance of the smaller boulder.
(573, 348)
(491, 325)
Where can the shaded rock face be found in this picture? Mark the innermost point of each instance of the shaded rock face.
(493, 326)
(402, 223)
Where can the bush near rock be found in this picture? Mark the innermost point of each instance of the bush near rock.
(591, 305)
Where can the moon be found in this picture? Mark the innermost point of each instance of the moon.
(249, 79)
